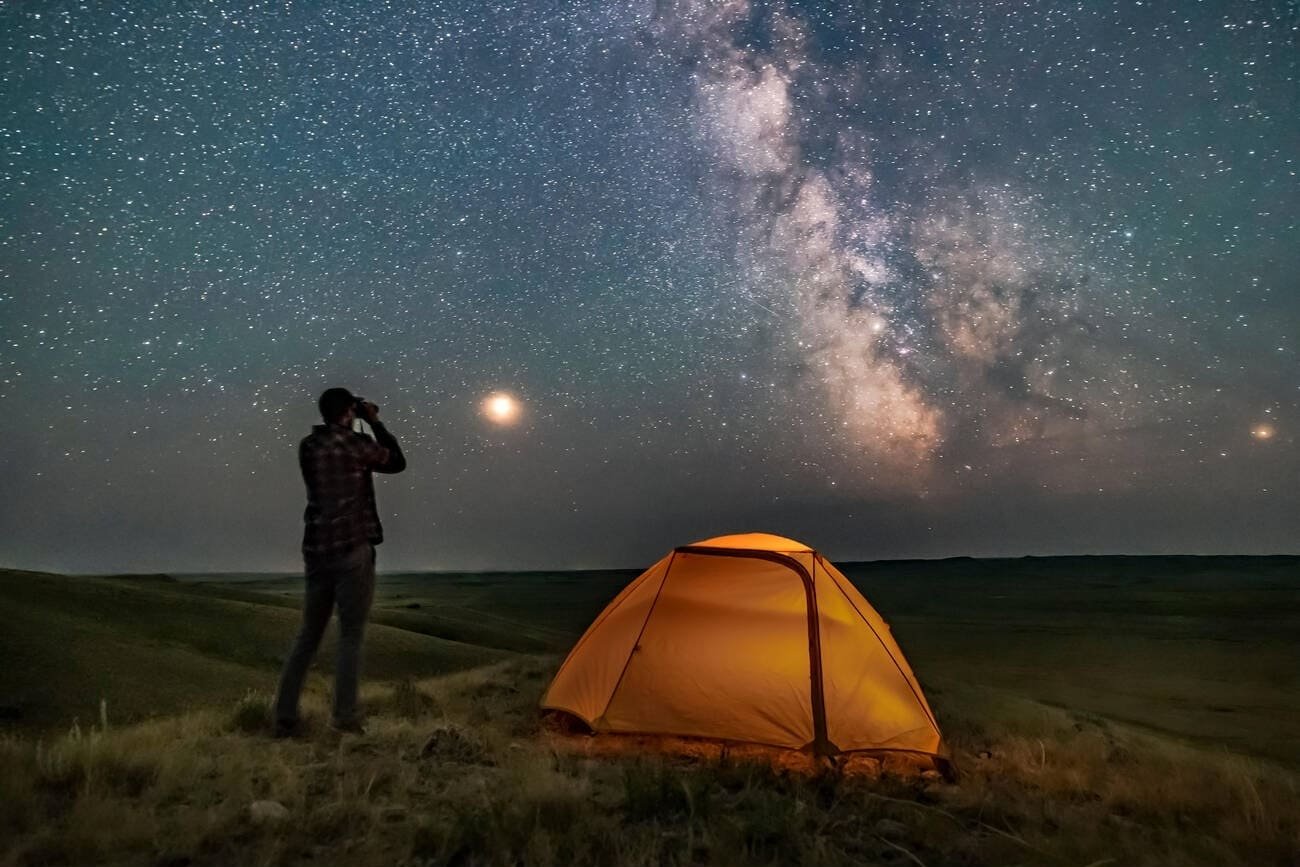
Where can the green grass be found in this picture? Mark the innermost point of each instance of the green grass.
(468, 778)
(151, 646)
(1198, 647)
(525, 612)
(1101, 711)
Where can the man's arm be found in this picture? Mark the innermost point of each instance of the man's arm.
(394, 461)
(388, 456)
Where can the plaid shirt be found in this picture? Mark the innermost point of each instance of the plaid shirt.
(336, 464)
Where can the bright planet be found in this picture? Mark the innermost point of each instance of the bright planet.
(502, 408)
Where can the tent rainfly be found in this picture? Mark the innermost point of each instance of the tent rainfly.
(752, 638)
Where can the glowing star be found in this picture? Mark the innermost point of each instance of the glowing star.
(501, 408)
(1262, 431)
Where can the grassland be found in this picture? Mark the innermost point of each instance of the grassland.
(1125, 712)
(1203, 648)
(147, 645)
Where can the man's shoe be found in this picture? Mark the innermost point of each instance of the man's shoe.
(286, 730)
(351, 727)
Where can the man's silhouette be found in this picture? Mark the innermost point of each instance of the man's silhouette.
(338, 548)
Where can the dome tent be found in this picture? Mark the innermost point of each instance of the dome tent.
(751, 638)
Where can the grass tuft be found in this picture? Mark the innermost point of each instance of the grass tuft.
(251, 714)
(407, 701)
(655, 791)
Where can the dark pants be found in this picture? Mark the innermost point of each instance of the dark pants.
(347, 581)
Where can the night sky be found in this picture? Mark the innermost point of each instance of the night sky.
(896, 279)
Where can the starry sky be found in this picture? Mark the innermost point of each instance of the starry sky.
(899, 279)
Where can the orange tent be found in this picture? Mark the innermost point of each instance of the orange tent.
(752, 638)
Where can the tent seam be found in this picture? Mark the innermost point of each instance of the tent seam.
(907, 680)
(628, 664)
(627, 594)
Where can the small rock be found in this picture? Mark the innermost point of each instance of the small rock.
(889, 829)
(985, 754)
(267, 811)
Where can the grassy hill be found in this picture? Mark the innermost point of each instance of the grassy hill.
(1198, 647)
(1101, 710)
(149, 646)
(458, 770)
(526, 612)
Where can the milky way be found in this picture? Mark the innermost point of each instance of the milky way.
(914, 279)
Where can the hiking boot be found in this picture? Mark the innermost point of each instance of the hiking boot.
(283, 730)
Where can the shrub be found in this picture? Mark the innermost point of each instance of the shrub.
(251, 714)
(79, 766)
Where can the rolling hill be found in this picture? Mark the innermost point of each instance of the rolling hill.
(147, 645)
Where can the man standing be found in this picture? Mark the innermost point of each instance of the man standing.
(338, 549)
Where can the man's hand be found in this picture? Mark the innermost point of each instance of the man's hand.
(368, 412)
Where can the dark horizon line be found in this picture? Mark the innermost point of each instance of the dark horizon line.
(544, 570)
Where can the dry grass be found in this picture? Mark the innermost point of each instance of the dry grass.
(453, 770)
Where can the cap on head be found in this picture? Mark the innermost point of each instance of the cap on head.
(334, 403)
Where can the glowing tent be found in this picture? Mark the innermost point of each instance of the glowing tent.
(752, 638)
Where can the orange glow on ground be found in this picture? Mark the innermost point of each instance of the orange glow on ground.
(873, 765)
